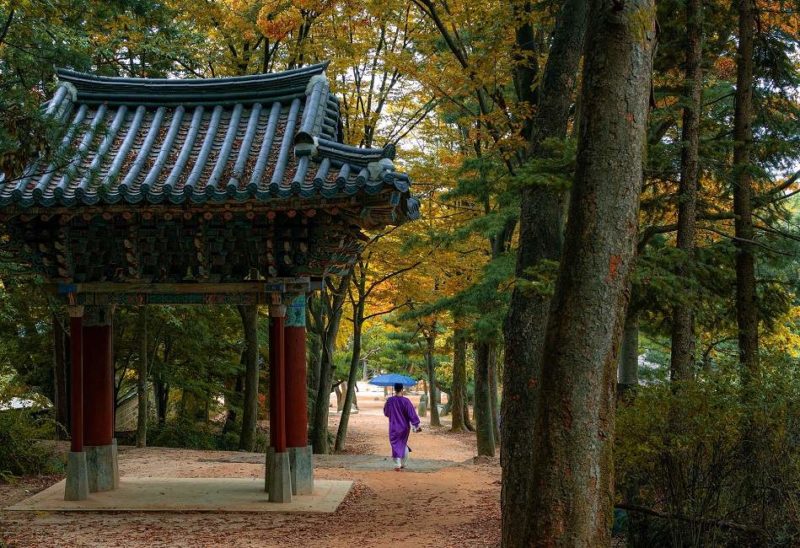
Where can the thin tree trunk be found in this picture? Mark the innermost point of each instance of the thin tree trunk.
(572, 503)
(494, 403)
(429, 350)
(235, 398)
(540, 238)
(162, 399)
(141, 381)
(319, 438)
(459, 391)
(249, 315)
(355, 358)
(746, 306)
(319, 429)
(682, 362)
(467, 420)
(340, 396)
(316, 334)
(629, 354)
(60, 373)
(446, 408)
(483, 400)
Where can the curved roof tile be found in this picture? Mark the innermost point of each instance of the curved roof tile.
(261, 138)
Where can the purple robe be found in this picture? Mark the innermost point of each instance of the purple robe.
(401, 413)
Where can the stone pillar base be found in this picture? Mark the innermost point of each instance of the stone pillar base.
(77, 487)
(279, 478)
(301, 461)
(102, 467)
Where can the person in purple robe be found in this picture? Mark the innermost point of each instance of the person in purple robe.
(402, 416)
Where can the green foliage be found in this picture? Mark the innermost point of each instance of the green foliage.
(191, 434)
(708, 452)
(553, 167)
(22, 449)
(26, 343)
(184, 433)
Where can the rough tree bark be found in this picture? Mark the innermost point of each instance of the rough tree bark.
(573, 439)
(483, 400)
(249, 315)
(141, 381)
(540, 238)
(459, 391)
(682, 361)
(746, 306)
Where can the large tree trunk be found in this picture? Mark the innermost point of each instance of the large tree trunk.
(141, 381)
(682, 362)
(430, 345)
(746, 306)
(60, 375)
(540, 238)
(249, 315)
(572, 502)
(629, 353)
(483, 400)
(458, 393)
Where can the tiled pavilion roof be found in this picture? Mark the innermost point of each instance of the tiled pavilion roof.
(263, 139)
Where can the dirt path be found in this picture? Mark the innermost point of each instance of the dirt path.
(445, 501)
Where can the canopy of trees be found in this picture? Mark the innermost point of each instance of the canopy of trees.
(605, 198)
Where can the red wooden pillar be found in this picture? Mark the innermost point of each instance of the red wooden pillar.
(296, 390)
(277, 371)
(98, 385)
(76, 377)
(98, 399)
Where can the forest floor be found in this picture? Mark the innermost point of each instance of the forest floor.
(448, 500)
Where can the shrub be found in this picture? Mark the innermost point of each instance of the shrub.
(200, 435)
(183, 433)
(21, 451)
(708, 463)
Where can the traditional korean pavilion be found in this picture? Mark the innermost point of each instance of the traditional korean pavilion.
(216, 191)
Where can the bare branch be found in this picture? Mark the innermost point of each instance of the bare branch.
(384, 312)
